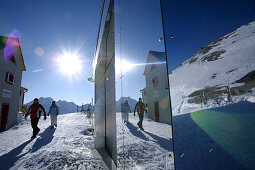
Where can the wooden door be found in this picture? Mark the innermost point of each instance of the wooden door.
(156, 108)
(4, 115)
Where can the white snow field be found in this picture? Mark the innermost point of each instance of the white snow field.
(148, 149)
(69, 146)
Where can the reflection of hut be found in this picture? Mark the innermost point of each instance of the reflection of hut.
(22, 92)
(156, 93)
(144, 96)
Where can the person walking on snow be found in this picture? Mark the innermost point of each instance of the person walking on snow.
(53, 112)
(126, 110)
(140, 106)
(35, 113)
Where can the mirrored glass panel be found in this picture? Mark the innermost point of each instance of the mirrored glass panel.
(211, 62)
(143, 118)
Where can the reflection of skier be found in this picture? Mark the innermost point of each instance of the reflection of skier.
(126, 110)
(53, 112)
(140, 106)
(229, 94)
(35, 113)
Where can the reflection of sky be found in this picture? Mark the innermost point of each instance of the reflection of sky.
(141, 29)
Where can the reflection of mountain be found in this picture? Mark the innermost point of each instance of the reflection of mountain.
(64, 106)
(229, 60)
(131, 102)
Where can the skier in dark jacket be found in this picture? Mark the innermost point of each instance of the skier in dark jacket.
(140, 106)
(35, 112)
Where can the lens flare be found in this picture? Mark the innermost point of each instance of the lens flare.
(12, 44)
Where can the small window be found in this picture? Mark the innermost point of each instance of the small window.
(9, 78)
(154, 81)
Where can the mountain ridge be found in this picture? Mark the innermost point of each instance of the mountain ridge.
(64, 106)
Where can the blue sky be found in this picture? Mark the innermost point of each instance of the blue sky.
(52, 26)
(49, 27)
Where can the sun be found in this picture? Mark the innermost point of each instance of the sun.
(69, 64)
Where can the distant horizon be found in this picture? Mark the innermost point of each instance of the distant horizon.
(74, 102)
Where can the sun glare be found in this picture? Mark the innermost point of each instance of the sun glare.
(123, 66)
(69, 64)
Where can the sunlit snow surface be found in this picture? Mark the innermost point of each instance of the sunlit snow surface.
(148, 149)
(69, 146)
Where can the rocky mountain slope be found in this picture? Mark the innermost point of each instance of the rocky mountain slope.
(202, 80)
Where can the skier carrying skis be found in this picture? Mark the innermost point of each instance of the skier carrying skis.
(126, 110)
(53, 112)
(140, 106)
(35, 113)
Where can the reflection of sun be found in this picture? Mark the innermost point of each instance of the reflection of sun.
(69, 64)
(123, 66)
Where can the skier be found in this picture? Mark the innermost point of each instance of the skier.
(35, 113)
(140, 106)
(126, 110)
(53, 112)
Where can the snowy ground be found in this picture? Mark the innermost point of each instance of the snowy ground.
(148, 149)
(69, 146)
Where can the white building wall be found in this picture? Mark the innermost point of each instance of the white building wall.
(13, 100)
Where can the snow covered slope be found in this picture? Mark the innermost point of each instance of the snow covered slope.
(69, 146)
(221, 63)
(64, 106)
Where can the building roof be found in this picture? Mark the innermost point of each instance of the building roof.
(23, 88)
(143, 89)
(3, 41)
(157, 56)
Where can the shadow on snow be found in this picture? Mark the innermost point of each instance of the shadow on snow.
(163, 142)
(8, 160)
(209, 139)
